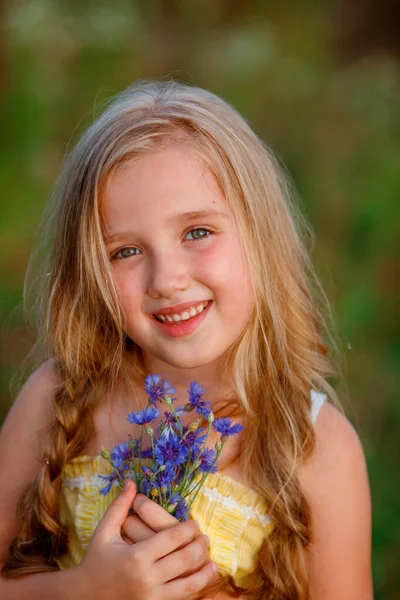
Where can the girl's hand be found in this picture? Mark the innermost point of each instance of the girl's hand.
(150, 569)
(149, 519)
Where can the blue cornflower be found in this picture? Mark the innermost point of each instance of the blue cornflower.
(142, 417)
(224, 426)
(146, 452)
(157, 388)
(119, 454)
(193, 440)
(207, 458)
(110, 478)
(181, 512)
(170, 451)
(196, 392)
(176, 497)
(163, 477)
(167, 427)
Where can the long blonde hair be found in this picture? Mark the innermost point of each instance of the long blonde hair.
(278, 359)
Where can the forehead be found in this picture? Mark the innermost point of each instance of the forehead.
(160, 186)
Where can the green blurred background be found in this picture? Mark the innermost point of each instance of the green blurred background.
(319, 80)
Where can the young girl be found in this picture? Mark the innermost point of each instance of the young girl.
(174, 248)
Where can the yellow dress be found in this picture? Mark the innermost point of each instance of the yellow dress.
(232, 515)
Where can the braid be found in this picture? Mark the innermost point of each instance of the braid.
(42, 537)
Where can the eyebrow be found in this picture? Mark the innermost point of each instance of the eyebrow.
(181, 218)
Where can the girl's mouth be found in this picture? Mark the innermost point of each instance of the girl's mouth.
(184, 323)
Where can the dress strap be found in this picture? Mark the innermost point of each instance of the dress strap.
(317, 400)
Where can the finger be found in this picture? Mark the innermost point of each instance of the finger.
(167, 541)
(116, 514)
(151, 513)
(126, 539)
(177, 563)
(197, 565)
(179, 589)
(205, 558)
(136, 530)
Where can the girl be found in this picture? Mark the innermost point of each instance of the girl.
(175, 249)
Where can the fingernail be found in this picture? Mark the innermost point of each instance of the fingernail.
(215, 567)
(139, 500)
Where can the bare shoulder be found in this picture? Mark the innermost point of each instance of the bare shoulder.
(337, 442)
(335, 482)
(31, 411)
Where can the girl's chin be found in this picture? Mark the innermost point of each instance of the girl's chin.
(180, 360)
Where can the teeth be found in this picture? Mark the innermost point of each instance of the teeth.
(185, 315)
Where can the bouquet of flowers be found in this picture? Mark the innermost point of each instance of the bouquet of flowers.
(177, 452)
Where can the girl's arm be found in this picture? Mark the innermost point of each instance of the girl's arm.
(21, 458)
(20, 463)
(335, 482)
(56, 585)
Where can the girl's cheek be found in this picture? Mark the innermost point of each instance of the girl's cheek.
(127, 287)
(222, 261)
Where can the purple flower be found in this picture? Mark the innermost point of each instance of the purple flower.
(119, 454)
(193, 440)
(224, 426)
(110, 478)
(181, 512)
(177, 452)
(170, 451)
(167, 427)
(207, 458)
(157, 388)
(142, 417)
(145, 453)
(164, 477)
(196, 392)
(176, 497)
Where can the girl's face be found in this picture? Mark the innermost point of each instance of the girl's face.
(174, 249)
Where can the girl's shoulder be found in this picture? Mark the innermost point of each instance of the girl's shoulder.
(334, 480)
(30, 415)
(337, 444)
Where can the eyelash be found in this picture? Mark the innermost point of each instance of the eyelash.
(115, 257)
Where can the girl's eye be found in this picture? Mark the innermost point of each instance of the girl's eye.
(124, 253)
(199, 233)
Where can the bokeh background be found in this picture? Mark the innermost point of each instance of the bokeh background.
(319, 80)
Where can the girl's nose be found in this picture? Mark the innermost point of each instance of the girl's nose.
(167, 276)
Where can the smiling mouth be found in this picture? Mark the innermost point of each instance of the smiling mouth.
(184, 316)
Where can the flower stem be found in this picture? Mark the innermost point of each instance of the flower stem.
(201, 482)
(140, 460)
(177, 419)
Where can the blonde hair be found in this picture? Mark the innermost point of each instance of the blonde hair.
(278, 359)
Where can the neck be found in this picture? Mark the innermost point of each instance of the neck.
(212, 377)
